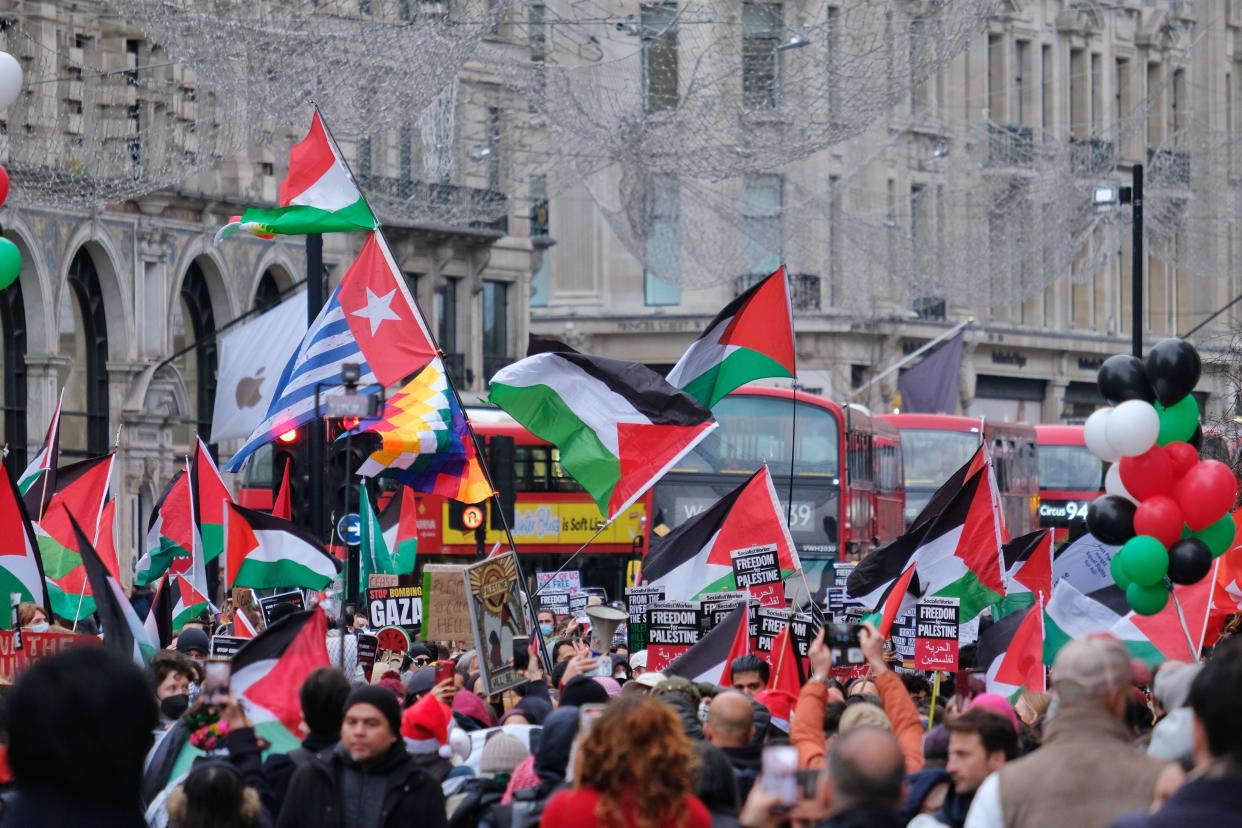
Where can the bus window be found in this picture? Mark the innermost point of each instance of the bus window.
(931, 456)
(755, 430)
(1070, 468)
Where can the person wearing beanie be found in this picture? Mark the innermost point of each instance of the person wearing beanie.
(471, 712)
(418, 683)
(193, 643)
(502, 753)
(368, 780)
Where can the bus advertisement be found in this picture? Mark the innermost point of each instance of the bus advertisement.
(1070, 477)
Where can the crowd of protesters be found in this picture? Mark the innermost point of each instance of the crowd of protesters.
(1109, 745)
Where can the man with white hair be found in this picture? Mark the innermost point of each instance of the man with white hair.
(1088, 772)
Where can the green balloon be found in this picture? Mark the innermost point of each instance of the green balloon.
(1144, 559)
(1147, 600)
(1120, 577)
(10, 263)
(1218, 536)
(1179, 421)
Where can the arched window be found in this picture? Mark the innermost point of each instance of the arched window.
(13, 356)
(271, 284)
(84, 342)
(194, 326)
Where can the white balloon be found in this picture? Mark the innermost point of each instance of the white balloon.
(1132, 428)
(10, 80)
(1114, 486)
(1095, 433)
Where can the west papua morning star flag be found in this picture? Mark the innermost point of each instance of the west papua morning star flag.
(619, 425)
(752, 338)
(370, 320)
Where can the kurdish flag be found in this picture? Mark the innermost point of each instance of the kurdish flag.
(44, 463)
(695, 558)
(619, 426)
(82, 490)
(318, 196)
(752, 338)
(265, 552)
(425, 441)
(21, 569)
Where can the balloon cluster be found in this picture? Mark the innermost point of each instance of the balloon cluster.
(1168, 510)
(10, 90)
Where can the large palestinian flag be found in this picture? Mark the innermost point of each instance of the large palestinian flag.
(123, 633)
(619, 426)
(956, 556)
(82, 490)
(318, 196)
(210, 499)
(170, 530)
(1151, 638)
(1010, 652)
(265, 552)
(1028, 572)
(752, 338)
(696, 557)
(21, 569)
(709, 659)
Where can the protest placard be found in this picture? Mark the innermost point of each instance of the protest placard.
(936, 631)
(903, 635)
(771, 623)
(578, 602)
(555, 601)
(446, 615)
(226, 646)
(34, 647)
(295, 597)
(637, 600)
(716, 606)
(568, 579)
(496, 618)
(395, 606)
(805, 628)
(368, 651)
(757, 570)
(672, 628)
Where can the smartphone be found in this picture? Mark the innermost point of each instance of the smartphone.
(216, 682)
(808, 783)
(445, 671)
(521, 653)
(588, 713)
(779, 765)
(842, 639)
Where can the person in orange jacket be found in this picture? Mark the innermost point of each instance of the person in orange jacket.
(807, 734)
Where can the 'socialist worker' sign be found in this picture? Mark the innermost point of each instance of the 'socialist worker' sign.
(672, 628)
(935, 643)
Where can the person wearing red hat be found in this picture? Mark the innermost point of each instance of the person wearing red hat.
(425, 727)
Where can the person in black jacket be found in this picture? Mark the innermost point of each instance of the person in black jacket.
(368, 780)
(322, 698)
(731, 727)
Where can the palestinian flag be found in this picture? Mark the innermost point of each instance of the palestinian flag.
(709, 659)
(189, 575)
(159, 617)
(44, 463)
(123, 633)
(283, 506)
(265, 552)
(949, 489)
(1149, 638)
(695, 558)
(82, 490)
(318, 196)
(1010, 652)
(1028, 572)
(786, 670)
(752, 338)
(399, 523)
(21, 569)
(170, 530)
(618, 425)
(210, 499)
(900, 597)
(242, 626)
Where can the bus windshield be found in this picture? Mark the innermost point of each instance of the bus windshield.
(756, 430)
(930, 456)
(1070, 468)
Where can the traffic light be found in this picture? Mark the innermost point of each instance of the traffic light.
(290, 450)
(502, 461)
(344, 457)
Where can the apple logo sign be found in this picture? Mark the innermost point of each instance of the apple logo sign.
(249, 391)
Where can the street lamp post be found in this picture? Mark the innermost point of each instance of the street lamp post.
(1104, 197)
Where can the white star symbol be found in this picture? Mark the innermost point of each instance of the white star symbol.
(378, 309)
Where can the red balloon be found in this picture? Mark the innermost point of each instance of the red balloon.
(1148, 475)
(1206, 493)
(4, 185)
(1183, 456)
(1160, 517)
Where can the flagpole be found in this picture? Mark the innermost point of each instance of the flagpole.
(53, 448)
(1181, 619)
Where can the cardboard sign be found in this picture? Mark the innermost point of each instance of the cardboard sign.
(496, 618)
(446, 615)
(395, 606)
(569, 579)
(935, 644)
(34, 647)
(378, 579)
(555, 601)
(296, 598)
(226, 646)
(368, 651)
(772, 622)
(672, 628)
(637, 600)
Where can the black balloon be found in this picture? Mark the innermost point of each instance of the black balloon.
(1122, 378)
(1111, 519)
(1173, 368)
(1189, 561)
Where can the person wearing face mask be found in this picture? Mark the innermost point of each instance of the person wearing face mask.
(547, 623)
(172, 674)
(33, 617)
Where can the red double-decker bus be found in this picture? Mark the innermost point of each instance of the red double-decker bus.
(890, 492)
(933, 446)
(1070, 477)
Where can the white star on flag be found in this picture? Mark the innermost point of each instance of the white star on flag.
(378, 309)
